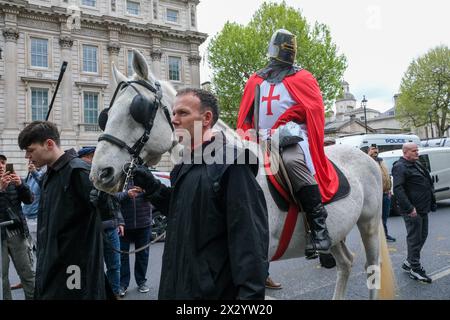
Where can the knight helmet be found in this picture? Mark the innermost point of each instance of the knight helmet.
(283, 46)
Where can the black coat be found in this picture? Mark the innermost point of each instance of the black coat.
(217, 235)
(12, 197)
(413, 187)
(68, 234)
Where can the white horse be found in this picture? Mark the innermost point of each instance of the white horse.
(362, 207)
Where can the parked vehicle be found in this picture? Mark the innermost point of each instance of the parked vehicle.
(159, 221)
(385, 142)
(436, 160)
(436, 142)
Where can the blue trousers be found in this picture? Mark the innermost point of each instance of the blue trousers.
(112, 258)
(140, 237)
(386, 210)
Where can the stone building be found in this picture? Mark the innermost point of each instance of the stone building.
(38, 35)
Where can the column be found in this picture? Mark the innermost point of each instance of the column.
(66, 44)
(156, 55)
(11, 35)
(194, 62)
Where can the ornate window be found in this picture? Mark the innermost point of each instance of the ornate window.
(39, 52)
(172, 15)
(133, 8)
(90, 58)
(39, 103)
(175, 68)
(90, 3)
(90, 107)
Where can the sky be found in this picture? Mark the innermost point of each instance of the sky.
(380, 38)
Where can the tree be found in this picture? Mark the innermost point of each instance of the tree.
(425, 91)
(238, 51)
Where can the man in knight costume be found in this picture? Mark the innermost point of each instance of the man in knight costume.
(291, 107)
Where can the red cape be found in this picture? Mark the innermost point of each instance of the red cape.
(305, 91)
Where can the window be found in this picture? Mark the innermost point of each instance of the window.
(133, 8)
(90, 107)
(89, 58)
(130, 69)
(90, 3)
(174, 68)
(39, 52)
(172, 15)
(39, 103)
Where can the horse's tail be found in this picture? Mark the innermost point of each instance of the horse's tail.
(387, 280)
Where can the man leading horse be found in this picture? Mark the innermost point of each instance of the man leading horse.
(290, 101)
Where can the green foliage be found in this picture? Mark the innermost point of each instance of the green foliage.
(425, 91)
(238, 51)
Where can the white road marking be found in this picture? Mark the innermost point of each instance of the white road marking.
(440, 273)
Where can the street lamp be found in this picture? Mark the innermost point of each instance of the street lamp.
(431, 125)
(364, 104)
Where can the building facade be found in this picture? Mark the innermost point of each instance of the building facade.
(91, 35)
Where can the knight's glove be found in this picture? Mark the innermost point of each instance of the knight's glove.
(143, 177)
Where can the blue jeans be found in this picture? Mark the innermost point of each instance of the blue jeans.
(140, 237)
(386, 210)
(112, 258)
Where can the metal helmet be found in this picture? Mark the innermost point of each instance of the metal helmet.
(283, 46)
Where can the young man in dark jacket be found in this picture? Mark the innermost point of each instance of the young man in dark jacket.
(13, 191)
(414, 192)
(69, 243)
(217, 234)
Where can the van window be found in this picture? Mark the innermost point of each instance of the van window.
(389, 162)
(389, 147)
(383, 148)
(425, 161)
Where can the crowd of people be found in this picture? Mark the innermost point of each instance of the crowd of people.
(76, 232)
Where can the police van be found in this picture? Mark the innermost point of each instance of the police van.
(384, 142)
(436, 160)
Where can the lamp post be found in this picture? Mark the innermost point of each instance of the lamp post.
(364, 104)
(431, 124)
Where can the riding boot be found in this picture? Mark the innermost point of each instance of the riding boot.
(310, 199)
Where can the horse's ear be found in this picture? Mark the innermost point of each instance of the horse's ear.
(117, 75)
(140, 65)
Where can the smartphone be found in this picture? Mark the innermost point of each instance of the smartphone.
(10, 168)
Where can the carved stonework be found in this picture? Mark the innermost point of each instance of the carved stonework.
(114, 48)
(65, 42)
(194, 60)
(11, 34)
(156, 55)
(174, 45)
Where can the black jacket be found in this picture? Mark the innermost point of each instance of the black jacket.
(68, 234)
(11, 198)
(136, 212)
(413, 187)
(217, 235)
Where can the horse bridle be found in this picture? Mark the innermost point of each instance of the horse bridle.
(139, 105)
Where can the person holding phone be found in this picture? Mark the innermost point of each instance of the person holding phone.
(137, 213)
(13, 191)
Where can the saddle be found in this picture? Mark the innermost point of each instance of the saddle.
(281, 191)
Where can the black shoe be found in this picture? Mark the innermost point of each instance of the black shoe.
(406, 266)
(420, 275)
(390, 239)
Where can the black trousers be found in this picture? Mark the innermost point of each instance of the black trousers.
(417, 232)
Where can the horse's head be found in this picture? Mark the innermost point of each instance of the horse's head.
(137, 124)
